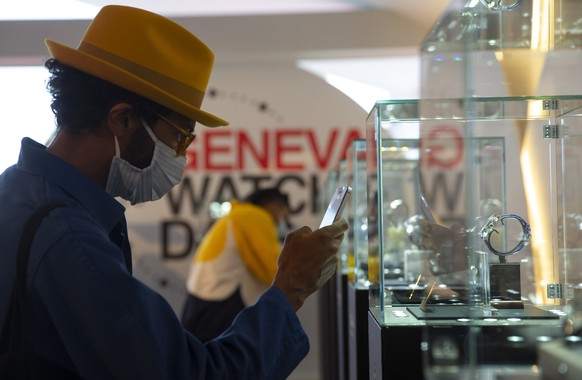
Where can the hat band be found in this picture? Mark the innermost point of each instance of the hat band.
(180, 90)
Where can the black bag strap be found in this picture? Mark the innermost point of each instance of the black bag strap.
(13, 337)
(26, 240)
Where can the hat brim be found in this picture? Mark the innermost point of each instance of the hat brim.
(123, 78)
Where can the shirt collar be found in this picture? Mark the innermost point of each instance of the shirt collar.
(35, 158)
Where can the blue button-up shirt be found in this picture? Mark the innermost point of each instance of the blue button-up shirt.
(88, 313)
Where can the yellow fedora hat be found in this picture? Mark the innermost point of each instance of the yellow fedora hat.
(148, 54)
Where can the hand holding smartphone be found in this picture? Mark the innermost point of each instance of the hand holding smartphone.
(336, 205)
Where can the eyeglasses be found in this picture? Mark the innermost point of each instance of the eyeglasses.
(185, 139)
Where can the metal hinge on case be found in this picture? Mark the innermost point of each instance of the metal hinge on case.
(555, 131)
(562, 291)
(550, 104)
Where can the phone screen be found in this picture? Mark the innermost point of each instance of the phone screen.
(336, 205)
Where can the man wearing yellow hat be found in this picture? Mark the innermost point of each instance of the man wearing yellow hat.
(126, 102)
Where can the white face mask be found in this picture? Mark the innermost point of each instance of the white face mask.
(148, 184)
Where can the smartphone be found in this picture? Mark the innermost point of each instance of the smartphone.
(336, 205)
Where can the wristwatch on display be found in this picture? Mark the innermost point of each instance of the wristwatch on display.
(505, 234)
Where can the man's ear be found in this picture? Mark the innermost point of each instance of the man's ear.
(122, 120)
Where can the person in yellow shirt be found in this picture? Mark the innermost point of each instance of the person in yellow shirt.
(235, 262)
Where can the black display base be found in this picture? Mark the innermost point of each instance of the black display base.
(342, 326)
(394, 353)
(328, 323)
(454, 312)
(403, 346)
(358, 332)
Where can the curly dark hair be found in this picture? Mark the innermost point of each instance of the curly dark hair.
(82, 101)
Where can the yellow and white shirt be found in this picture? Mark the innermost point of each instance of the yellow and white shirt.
(235, 262)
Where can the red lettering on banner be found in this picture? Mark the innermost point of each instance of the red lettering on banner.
(322, 162)
(282, 146)
(214, 149)
(281, 149)
(244, 142)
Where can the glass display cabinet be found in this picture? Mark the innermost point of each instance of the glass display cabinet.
(358, 209)
(331, 315)
(497, 201)
(357, 286)
(529, 49)
(343, 272)
(485, 262)
(334, 295)
(492, 48)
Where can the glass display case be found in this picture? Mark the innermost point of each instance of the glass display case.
(392, 161)
(335, 293)
(344, 270)
(490, 248)
(357, 287)
(340, 175)
(489, 48)
(493, 235)
(359, 212)
(331, 314)
(346, 262)
(527, 49)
